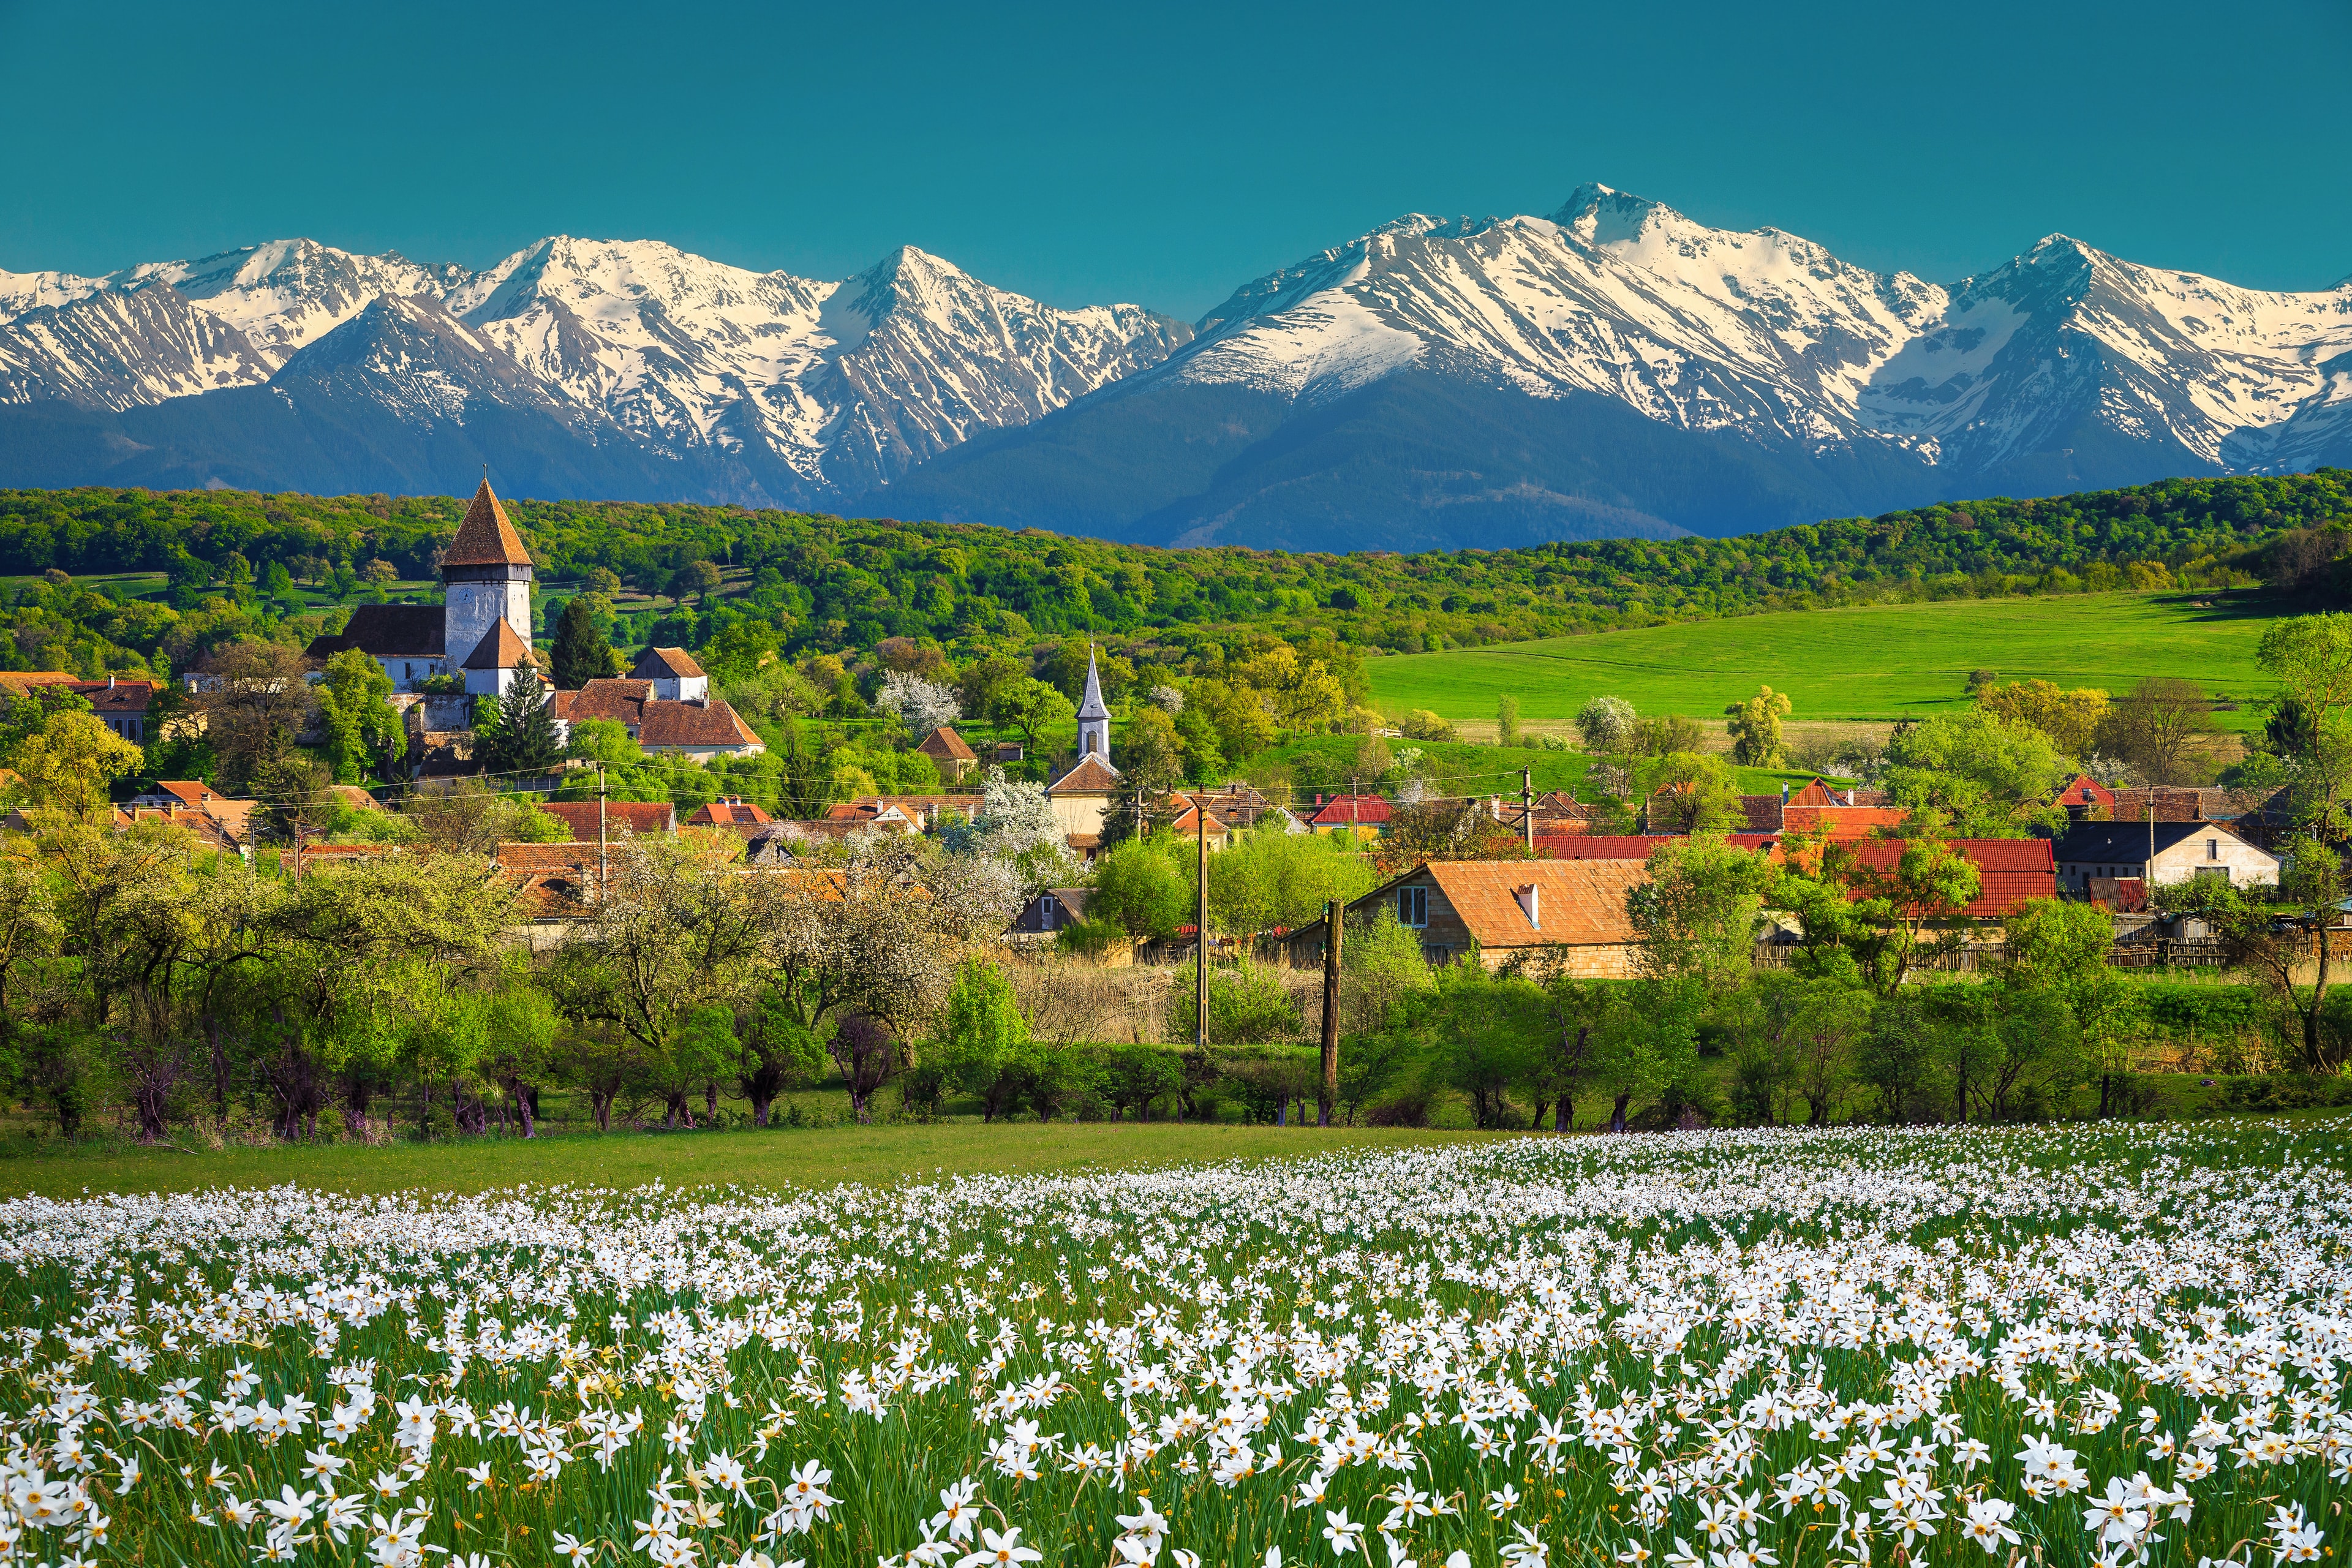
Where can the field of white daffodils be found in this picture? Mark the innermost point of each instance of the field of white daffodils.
(1707, 1351)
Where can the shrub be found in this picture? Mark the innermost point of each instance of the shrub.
(1247, 1005)
(1421, 724)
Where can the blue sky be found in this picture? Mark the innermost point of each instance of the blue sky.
(1163, 154)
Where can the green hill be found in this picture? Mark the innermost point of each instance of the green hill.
(1881, 662)
(842, 585)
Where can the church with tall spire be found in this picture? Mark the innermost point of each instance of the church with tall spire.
(481, 630)
(1081, 798)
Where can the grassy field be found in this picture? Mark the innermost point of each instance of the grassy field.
(794, 1157)
(1885, 662)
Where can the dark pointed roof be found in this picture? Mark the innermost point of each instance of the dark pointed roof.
(486, 538)
(1092, 707)
(500, 650)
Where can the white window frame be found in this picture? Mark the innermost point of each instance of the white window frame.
(1412, 907)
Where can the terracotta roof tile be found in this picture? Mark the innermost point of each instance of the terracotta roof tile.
(693, 724)
(2010, 871)
(730, 814)
(1092, 775)
(665, 664)
(1581, 902)
(609, 697)
(640, 816)
(486, 538)
(947, 745)
(501, 648)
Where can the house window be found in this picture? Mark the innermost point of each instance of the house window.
(1046, 912)
(1412, 907)
(2212, 850)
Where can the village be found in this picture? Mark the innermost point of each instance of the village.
(1536, 875)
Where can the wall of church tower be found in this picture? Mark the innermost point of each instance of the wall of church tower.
(469, 608)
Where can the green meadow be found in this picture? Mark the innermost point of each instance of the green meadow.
(1880, 663)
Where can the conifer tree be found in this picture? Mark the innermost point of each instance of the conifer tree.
(581, 654)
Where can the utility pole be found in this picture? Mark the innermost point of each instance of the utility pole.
(1528, 805)
(1200, 930)
(1329, 1096)
(602, 872)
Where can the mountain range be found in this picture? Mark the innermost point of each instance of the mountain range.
(1615, 369)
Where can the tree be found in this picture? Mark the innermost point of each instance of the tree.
(776, 1052)
(1443, 830)
(981, 1040)
(2061, 948)
(68, 764)
(2311, 656)
(1697, 916)
(583, 650)
(676, 929)
(1506, 721)
(878, 936)
(516, 733)
(1755, 728)
(1691, 791)
(2070, 719)
(1270, 879)
(700, 578)
(1139, 887)
(1606, 725)
(1983, 776)
(255, 698)
(605, 740)
(2312, 882)
(1031, 707)
(1152, 752)
(1489, 1029)
(518, 1029)
(2159, 728)
(355, 709)
(922, 706)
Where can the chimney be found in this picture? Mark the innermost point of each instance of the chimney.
(109, 682)
(1495, 806)
(1784, 792)
(1849, 797)
(1530, 898)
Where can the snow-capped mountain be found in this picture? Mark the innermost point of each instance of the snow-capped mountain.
(758, 388)
(1443, 381)
(1612, 368)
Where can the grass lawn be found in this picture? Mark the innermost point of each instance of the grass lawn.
(782, 1157)
(1884, 662)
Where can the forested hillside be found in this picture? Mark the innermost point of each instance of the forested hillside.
(835, 584)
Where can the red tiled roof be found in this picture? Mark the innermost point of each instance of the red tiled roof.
(486, 538)
(1763, 812)
(2084, 790)
(1633, 847)
(1354, 811)
(2010, 871)
(692, 724)
(1843, 821)
(730, 813)
(640, 816)
(607, 697)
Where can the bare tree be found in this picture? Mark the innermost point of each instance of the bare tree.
(2159, 728)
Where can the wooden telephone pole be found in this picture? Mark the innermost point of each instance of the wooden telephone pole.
(1200, 930)
(1328, 1095)
(1528, 805)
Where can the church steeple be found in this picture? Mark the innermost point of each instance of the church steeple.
(485, 579)
(1094, 717)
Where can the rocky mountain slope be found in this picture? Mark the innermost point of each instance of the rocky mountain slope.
(1614, 368)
